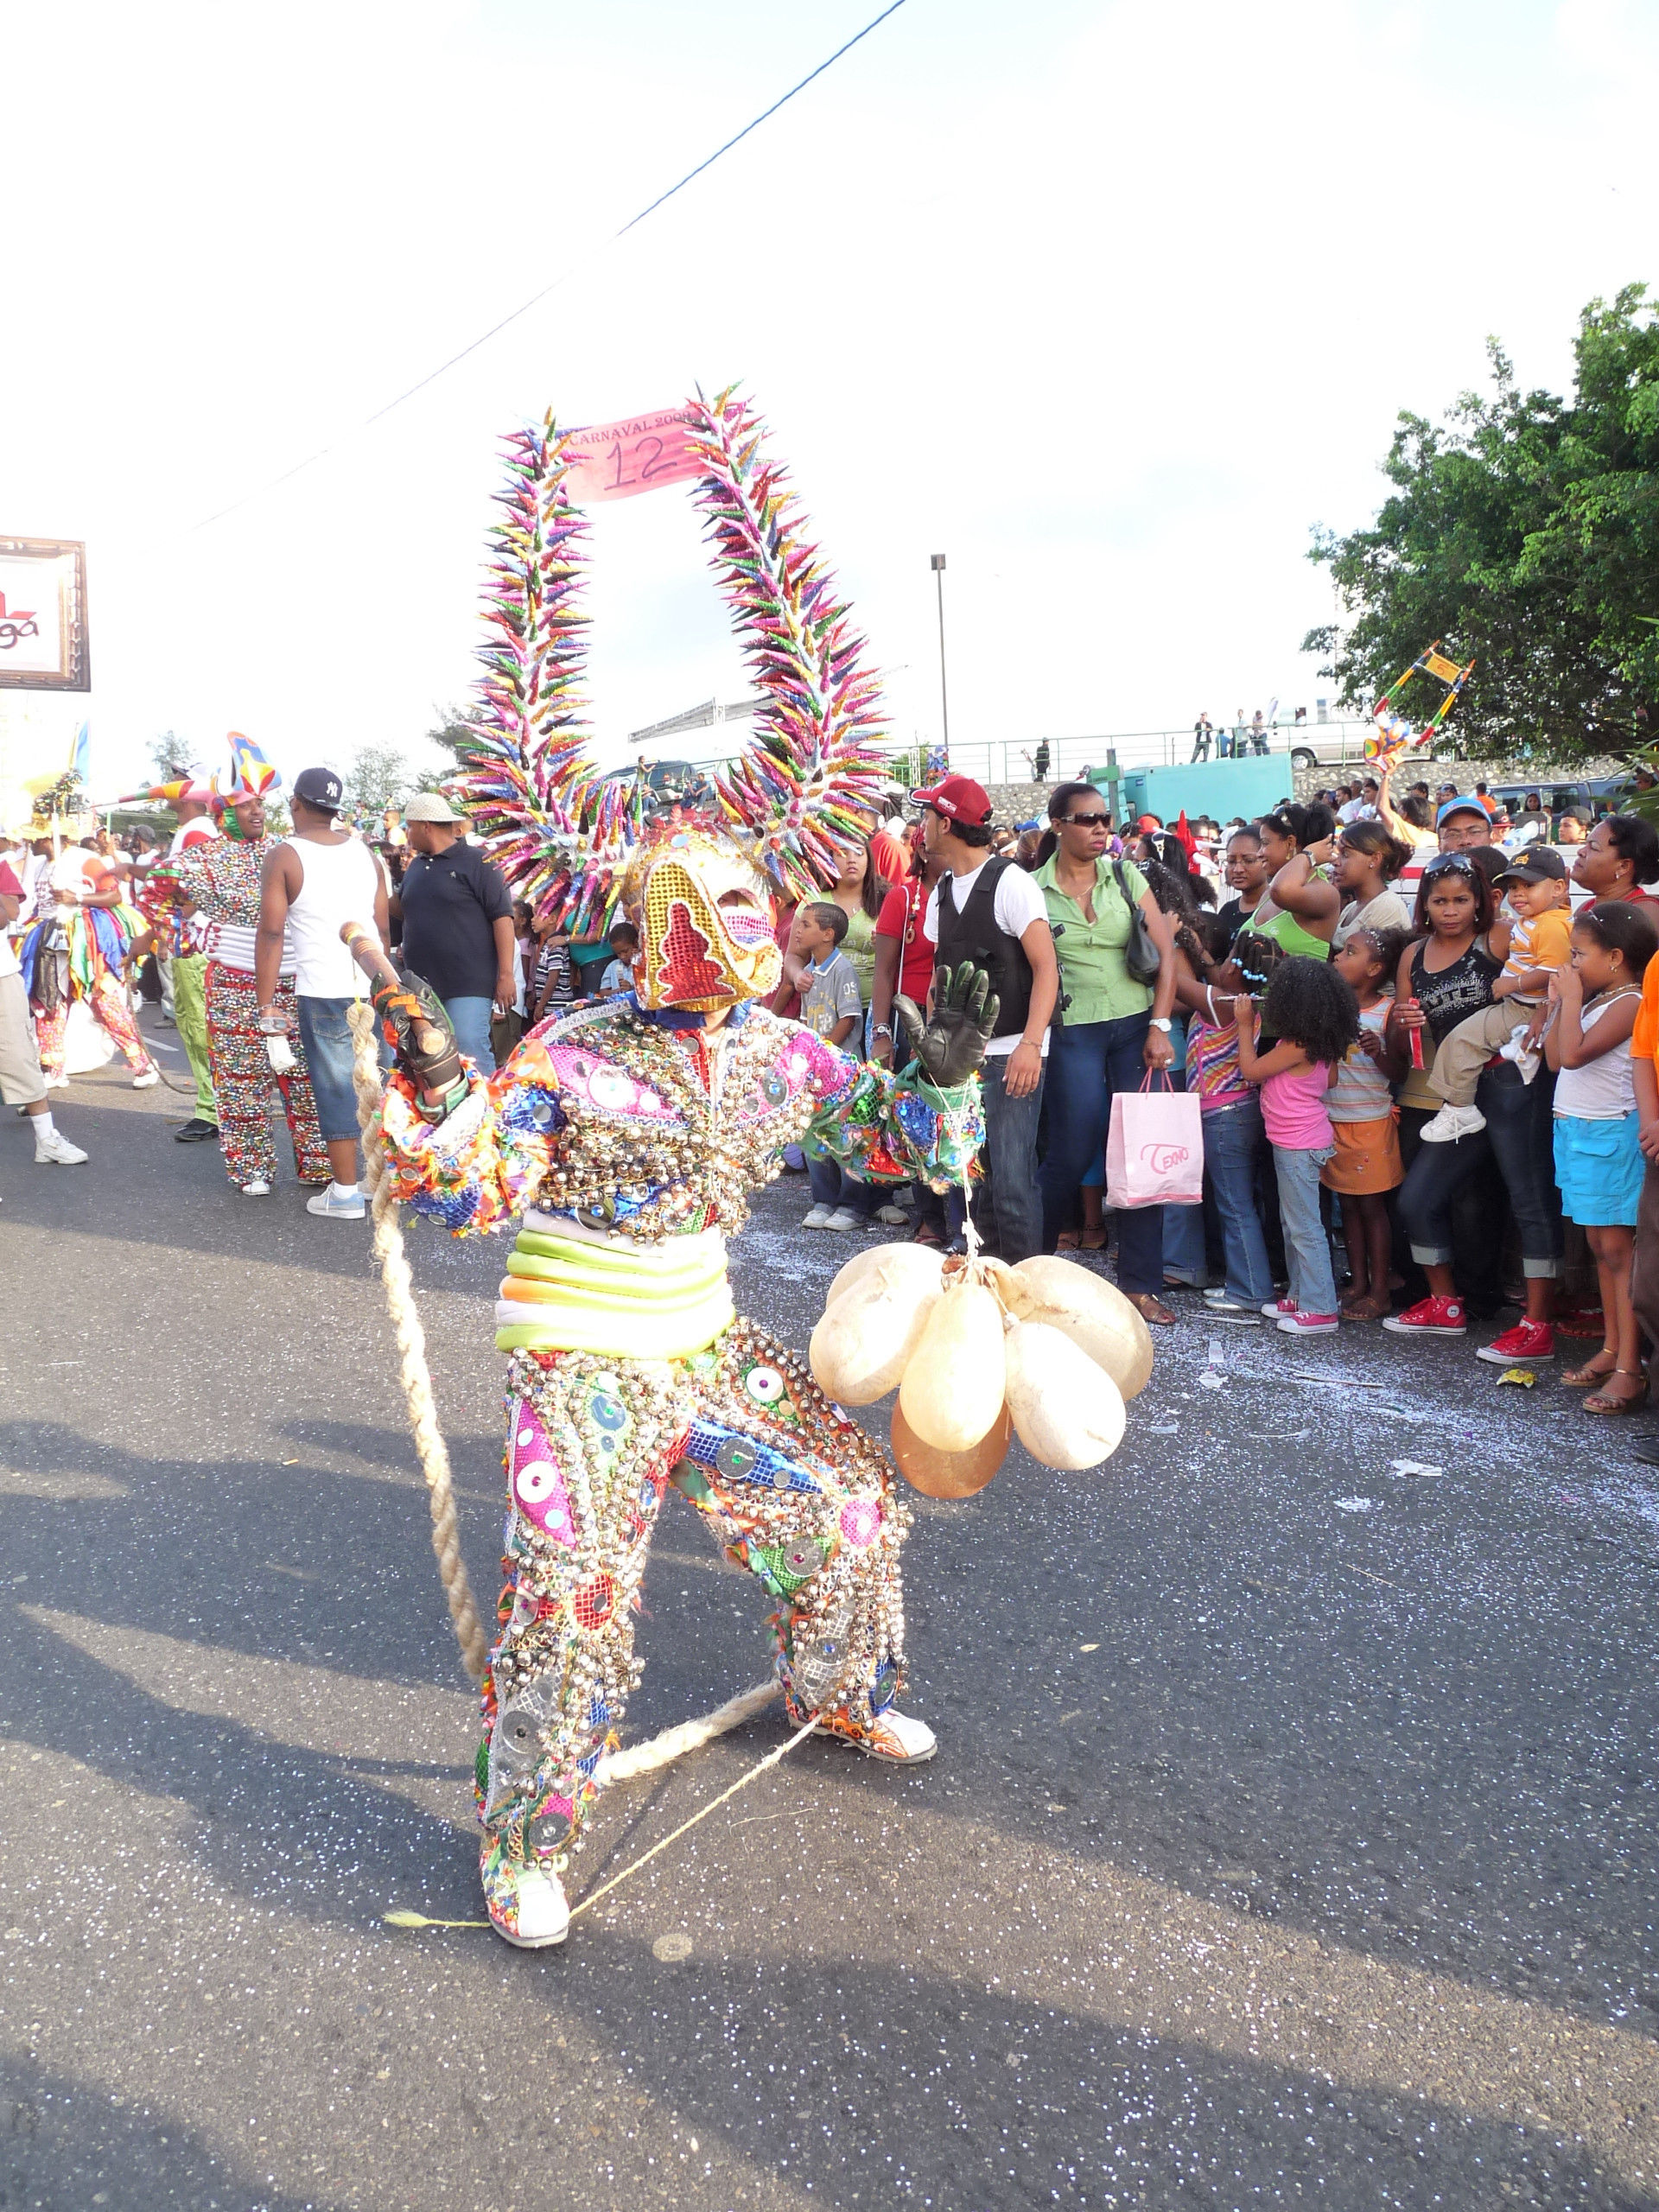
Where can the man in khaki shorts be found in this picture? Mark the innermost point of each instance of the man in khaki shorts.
(21, 1082)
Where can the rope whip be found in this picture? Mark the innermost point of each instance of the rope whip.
(433, 1453)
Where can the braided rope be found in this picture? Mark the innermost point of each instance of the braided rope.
(411, 1349)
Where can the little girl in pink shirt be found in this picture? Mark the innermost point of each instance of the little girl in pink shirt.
(1313, 1018)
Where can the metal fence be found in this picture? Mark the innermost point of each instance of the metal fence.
(1335, 745)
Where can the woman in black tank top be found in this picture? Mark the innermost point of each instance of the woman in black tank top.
(1451, 1195)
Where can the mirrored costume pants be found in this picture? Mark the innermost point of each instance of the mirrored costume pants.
(243, 1079)
(793, 1491)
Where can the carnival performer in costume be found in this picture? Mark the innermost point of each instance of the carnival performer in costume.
(627, 1133)
(221, 882)
(77, 950)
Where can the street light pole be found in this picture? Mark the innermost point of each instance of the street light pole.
(944, 704)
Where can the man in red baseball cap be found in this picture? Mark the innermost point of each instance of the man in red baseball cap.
(958, 798)
(986, 909)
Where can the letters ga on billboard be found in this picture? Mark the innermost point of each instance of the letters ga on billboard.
(43, 642)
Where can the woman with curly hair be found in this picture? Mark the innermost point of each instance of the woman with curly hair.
(1314, 1017)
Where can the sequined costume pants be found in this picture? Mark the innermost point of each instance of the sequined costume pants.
(108, 1000)
(242, 1081)
(793, 1490)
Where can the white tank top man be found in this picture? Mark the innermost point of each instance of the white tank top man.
(316, 881)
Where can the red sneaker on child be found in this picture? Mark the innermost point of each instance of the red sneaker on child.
(1526, 1340)
(1430, 1317)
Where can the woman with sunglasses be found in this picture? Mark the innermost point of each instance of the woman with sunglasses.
(1445, 976)
(1110, 1031)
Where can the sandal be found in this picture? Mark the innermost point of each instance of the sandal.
(928, 1237)
(1152, 1310)
(1368, 1309)
(1094, 1240)
(1066, 1241)
(1584, 1378)
(1601, 1404)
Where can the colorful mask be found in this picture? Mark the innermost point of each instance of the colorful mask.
(704, 922)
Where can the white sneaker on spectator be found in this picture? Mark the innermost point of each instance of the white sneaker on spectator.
(144, 1081)
(895, 1217)
(818, 1218)
(337, 1204)
(1453, 1123)
(56, 1151)
(844, 1218)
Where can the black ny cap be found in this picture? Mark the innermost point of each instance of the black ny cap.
(319, 787)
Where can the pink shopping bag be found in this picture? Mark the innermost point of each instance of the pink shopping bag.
(1154, 1153)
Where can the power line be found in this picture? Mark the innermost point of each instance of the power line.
(535, 298)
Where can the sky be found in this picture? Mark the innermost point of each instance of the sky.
(1110, 304)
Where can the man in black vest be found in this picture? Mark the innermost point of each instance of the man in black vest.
(989, 910)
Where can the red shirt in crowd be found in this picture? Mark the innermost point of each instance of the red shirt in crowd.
(902, 913)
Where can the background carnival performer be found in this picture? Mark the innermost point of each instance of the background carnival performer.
(221, 882)
(78, 951)
(198, 807)
(628, 1135)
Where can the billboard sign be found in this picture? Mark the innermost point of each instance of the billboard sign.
(43, 641)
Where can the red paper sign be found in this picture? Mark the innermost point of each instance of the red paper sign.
(618, 460)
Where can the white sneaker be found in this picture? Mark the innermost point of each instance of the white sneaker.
(1278, 1308)
(895, 1217)
(844, 1218)
(1453, 1123)
(56, 1151)
(527, 1904)
(257, 1189)
(897, 1737)
(337, 1204)
(818, 1218)
(144, 1081)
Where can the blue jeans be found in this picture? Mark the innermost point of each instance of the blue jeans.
(1234, 1143)
(831, 1185)
(1519, 1137)
(470, 1020)
(1088, 1063)
(1011, 1143)
(328, 1052)
(1307, 1248)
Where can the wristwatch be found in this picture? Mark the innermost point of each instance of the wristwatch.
(1161, 1021)
(881, 1029)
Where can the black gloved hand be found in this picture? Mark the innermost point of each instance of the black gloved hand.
(952, 1044)
(418, 1030)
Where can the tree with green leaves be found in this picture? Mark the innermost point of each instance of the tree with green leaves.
(1525, 532)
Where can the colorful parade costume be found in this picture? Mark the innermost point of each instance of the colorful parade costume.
(627, 1134)
(78, 952)
(222, 881)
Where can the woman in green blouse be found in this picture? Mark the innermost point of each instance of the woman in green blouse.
(1300, 907)
(1111, 1032)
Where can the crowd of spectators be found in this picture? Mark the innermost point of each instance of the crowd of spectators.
(1421, 1030)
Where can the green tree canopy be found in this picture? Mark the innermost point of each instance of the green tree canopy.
(1523, 532)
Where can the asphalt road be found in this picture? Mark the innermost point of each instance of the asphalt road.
(1291, 1843)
